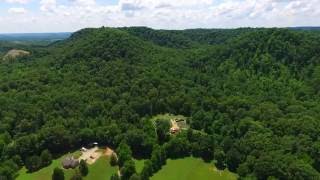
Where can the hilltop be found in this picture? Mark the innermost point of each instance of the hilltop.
(250, 98)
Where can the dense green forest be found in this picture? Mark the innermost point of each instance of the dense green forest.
(252, 98)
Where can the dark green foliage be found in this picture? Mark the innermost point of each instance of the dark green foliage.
(115, 177)
(8, 170)
(124, 154)
(77, 176)
(158, 158)
(283, 167)
(177, 148)
(220, 158)
(163, 129)
(316, 79)
(58, 174)
(85, 136)
(113, 159)
(135, 177)
(33, 163)
(46, 158)
(140, 143)
(233, 159)
(147, 170)
(251, 97)
(127, 170)
(17, 160)
(202, 145)
(83, 168)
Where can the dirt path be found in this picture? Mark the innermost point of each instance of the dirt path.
(108, 152)
(174, 124)
(91, 155)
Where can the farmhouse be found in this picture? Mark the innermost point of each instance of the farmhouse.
(70, 162)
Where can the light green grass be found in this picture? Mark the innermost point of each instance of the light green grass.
(191, 169)
(139, 165)
(100, 170)
(45, 173)
(167, 117)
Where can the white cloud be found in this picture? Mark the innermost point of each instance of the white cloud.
(154, 4)
(18, 1)
(17, 10)
(53, 15)
(84, 2)
(48, 5)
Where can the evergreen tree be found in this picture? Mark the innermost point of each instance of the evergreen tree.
(220, 158)
(128, 170)
(124, 154)
(58, 174)
(46, 158)
(77, 176)
(83, 168)
(33, 163)
(147, 170)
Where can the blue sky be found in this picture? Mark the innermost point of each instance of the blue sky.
(71, 15)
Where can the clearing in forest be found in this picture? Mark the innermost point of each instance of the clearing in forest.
(15, 53)
(91, 155)
(178, 122)
(191, 168)
(99, 170)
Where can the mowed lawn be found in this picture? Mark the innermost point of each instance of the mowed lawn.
(45, 173)
(190, 169)
(139, 165)
(100, 170)
(167, 117)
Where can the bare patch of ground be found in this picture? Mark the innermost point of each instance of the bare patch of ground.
(91, 155)
(15, 53)
(178, 124)
(108, 152)
(174, 124)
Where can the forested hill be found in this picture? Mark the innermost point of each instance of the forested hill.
(252, 93)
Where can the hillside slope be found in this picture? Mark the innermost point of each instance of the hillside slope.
(252, 93)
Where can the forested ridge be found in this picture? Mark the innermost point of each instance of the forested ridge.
(251, 97)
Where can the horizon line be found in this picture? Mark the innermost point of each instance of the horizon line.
(60, 32)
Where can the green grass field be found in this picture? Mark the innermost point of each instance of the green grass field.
(191, 169)
(181, 169)
(100, 170)
(139, 165)
(45, 173)
(166, 117)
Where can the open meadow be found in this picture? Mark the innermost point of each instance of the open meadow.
(99, 170)
(191, 169)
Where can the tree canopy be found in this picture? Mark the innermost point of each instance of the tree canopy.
(251, 97)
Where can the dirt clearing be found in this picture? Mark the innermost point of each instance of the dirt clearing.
(91, 155)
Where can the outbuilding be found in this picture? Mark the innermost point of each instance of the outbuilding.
(70, 163)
